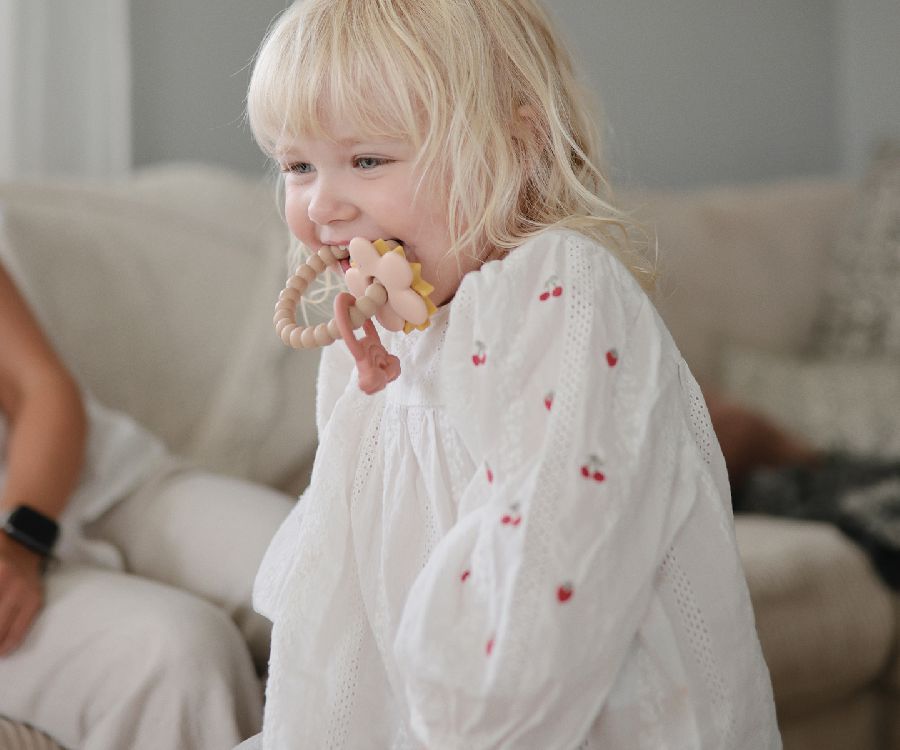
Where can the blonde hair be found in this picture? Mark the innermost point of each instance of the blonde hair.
(483, 89)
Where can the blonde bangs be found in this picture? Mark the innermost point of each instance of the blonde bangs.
(313, 71)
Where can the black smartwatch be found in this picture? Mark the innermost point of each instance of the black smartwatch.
(32, 529)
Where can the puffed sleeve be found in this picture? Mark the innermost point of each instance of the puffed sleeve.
(565, 390)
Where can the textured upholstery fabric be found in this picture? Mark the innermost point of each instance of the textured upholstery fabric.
(841, 404)
(860, 312)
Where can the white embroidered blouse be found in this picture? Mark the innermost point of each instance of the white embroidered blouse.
(523, 542)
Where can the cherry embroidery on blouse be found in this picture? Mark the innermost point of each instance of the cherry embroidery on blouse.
(489, 473)
(513, 518)
(564, 592)
(489, 646)
(465, 574)
(552, 288)
(480, 356)
(612, 357)
(548, 400)
(591, 469)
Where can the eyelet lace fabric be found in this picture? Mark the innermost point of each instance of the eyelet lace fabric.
(521, 542)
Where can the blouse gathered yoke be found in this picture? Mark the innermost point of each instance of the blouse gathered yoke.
(525, 541)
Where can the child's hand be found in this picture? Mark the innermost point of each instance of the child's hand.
(21, 592)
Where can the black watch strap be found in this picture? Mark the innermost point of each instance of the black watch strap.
(32, 529)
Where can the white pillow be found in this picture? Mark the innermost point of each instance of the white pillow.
(159, 293)
(844, 404)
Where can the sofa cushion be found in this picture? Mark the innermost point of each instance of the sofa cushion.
(825, 622)
(159, 291)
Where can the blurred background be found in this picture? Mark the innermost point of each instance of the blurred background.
(694, 93)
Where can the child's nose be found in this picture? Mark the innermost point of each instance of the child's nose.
(329, 204)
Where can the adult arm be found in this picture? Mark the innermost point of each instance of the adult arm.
(42, 405)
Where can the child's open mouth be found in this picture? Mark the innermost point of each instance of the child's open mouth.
(342, 253)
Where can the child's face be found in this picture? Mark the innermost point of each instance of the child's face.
(357, 186)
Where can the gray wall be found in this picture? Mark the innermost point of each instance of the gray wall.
(190, 72)
(868, 77)
(695, 92)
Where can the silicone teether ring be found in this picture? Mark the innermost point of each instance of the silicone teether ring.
(407, 288)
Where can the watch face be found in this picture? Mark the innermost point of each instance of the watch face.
(32, 528)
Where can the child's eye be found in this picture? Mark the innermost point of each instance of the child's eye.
(300, 167)
(369, 162)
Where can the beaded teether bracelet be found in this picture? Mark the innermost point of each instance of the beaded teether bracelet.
(385, 285)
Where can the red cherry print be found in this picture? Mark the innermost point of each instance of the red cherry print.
(490, 474)
(475, 360)
(506, 520)
(489, 647)
(612, 357)
(544, 296)
(465, 574)
(517, 520)
(479, 357)
(557, 291)
(548, 401)
(591, 469)
(564, 592)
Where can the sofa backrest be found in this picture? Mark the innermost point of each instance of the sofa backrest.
(742, 265)
(159, 292)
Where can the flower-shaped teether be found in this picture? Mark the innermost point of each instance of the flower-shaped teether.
(408, 305)
(383, 282)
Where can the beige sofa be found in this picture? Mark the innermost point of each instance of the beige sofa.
(159, 292)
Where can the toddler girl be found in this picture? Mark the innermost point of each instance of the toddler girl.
(525, 540)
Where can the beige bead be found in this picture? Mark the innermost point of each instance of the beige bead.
(307, 273)
(366, 306)
(289, 294)
(326, 254)
(307, 338)
(296, 338)
(333, 329)
(356, 317)
(286, 333)
(297, 282)
(322, 337)
(377, 293)
(315, 263)
(280, 324)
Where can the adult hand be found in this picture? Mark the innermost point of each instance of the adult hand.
(21, 592)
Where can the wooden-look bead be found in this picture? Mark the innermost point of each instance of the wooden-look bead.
(333, 329)
(298, 283)
(366, 306)
(356, 317)
(326, 254)
(296, 338)
(321, 335)
(281, 323)
(289, 293)
(307, 273)
(289, 306)
(286, 333)
(307, 338)
(315, 263)
(377, 293)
